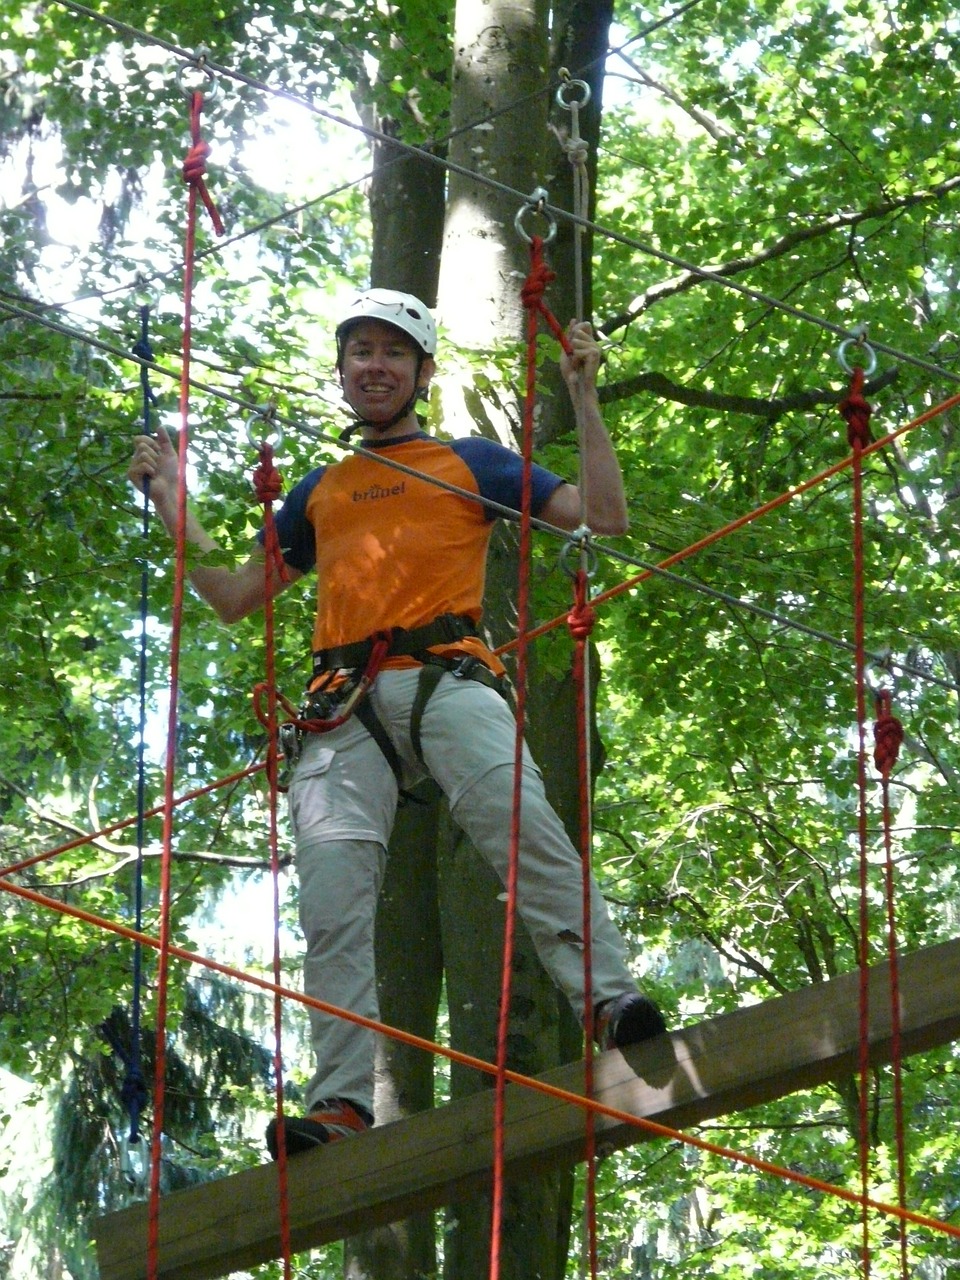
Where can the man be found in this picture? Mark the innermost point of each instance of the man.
(401, 560)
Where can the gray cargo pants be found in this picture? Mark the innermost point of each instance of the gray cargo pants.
(342, 800)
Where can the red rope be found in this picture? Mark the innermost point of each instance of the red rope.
(888, 733)
(163, 965)
(856, 411)
(580, 620)
(193, 175)
(195, 165)
(268, 484)
(532, 298)
(531, 295)
(888, 736)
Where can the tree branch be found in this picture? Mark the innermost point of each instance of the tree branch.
(55, 819)
(219, 860)
(717, 130)
(659, 384)
(786, 244)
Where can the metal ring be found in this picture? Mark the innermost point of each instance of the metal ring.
(267, 414)
(869, 365)
(147, 292)
(535, 204)
(579, 541)
(199, 64)
(573, 84)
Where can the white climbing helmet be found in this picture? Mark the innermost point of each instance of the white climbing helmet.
(402, 310)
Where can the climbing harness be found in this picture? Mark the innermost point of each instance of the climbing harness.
(447, 628)
(347, 673)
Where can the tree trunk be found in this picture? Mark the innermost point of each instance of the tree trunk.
(406, 208)
(409, 976)
(500, 58)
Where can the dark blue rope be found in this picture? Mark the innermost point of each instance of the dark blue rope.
(134, 1089)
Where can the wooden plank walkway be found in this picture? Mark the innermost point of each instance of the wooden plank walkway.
(753, 1055)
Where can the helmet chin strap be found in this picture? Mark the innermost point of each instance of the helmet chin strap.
(359, 422)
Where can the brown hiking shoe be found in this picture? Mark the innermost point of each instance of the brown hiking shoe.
(330, 1121)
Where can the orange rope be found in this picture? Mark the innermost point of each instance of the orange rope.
(478, 1064)
(756, 514)
(88, 838)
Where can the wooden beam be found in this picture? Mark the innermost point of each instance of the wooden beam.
(753, 1055)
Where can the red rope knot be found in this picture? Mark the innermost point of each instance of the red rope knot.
(582, 616)
(538, 277)
(267, 480)
(535, 286)
(268, 485)
(857, 412)
(887, 735)
(195, 165)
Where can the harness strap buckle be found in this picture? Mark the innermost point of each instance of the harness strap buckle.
(465, 667)
(289, 740)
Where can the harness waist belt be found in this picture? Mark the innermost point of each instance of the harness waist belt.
(446, 629)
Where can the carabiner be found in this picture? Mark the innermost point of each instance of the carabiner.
(135, 1162)
(859, 340)
(579, 540)
(210, 84)
(536, 203)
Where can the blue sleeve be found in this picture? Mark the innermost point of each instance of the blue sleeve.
(296, 534)
(498, 472)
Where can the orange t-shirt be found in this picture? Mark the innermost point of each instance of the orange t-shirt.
(392, 549)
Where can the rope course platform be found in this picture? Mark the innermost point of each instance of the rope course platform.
(753, 1055)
